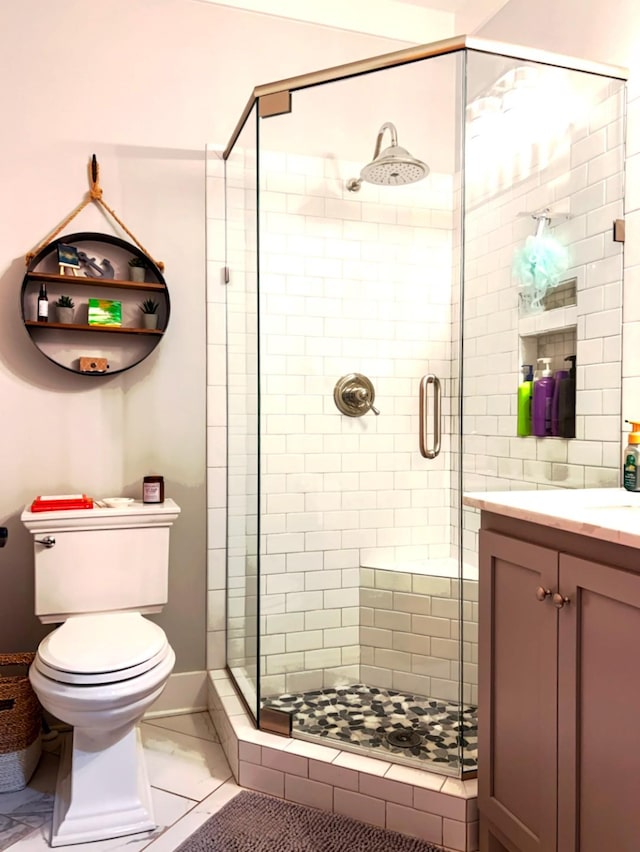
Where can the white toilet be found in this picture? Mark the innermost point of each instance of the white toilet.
(97, 571)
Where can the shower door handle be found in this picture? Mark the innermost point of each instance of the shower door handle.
(426, 451)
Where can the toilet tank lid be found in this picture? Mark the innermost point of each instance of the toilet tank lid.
(106, 642)
(125, 516)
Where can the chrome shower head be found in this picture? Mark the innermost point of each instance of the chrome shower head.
(392, 167)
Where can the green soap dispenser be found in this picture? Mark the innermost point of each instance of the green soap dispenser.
(631, 464)
(525, 389)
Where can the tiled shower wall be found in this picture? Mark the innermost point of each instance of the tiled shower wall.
(410, 633)
(350, 282)
(584, 179)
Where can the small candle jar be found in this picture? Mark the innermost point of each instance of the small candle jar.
(153, 489)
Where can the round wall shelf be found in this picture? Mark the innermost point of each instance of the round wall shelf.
(107, 333)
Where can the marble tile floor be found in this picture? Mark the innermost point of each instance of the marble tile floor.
(190, 780)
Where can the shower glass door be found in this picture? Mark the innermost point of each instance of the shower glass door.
(360, 587)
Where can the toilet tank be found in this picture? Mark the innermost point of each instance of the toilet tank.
(101, 560)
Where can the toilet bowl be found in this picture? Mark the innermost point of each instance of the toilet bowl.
(102, 788)
(98, 573)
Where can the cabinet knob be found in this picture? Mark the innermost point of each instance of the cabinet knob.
(560, 600)
(542, 593)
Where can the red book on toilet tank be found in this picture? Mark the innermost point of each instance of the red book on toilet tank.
(56, 502)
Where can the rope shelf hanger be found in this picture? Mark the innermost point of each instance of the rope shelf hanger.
(94, 194)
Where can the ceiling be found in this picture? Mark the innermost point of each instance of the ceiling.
(412, 21)
(469, 15)
(480, 10)
(458, 6)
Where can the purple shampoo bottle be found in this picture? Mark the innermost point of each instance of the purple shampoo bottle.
(542, 400)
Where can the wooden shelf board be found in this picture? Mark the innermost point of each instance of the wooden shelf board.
(99, 282)
(117, 329)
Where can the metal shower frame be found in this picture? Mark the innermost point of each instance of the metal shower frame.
(275, 98)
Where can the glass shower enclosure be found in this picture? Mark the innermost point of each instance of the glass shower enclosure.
(388, 276)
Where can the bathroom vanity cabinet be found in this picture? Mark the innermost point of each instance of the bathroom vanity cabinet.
(559, 741)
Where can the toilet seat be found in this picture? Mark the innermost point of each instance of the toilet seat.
(98, 649)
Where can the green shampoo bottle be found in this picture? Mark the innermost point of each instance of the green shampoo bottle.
(525, 390)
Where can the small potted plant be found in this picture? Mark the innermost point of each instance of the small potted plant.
(137, 269)
(64, 309)
(149, 310)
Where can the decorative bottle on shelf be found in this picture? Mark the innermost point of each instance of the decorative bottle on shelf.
(43, 303)
(542, 397)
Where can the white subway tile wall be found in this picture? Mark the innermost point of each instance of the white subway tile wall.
(578, 175)
(350, 283)
(410, 633)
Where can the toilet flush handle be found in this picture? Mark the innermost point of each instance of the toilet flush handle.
(47, 541)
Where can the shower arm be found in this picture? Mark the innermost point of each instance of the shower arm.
(394, 138)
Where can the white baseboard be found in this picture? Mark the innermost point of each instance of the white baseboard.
(185, 692)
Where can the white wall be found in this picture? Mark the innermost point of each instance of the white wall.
(144, 85)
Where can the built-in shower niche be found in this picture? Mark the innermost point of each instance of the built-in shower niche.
(550, 332)
(563, 296)
(557, 309)
(558, 346)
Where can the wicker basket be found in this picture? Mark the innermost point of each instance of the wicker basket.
(20, 725)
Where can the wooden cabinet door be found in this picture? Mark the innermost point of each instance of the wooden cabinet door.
(599, 695)
(518, 688)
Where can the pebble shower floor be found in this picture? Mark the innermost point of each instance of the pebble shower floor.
(430, 731)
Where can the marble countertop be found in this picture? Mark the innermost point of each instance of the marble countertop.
(608, 514)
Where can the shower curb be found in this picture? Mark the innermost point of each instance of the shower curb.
(416, 802)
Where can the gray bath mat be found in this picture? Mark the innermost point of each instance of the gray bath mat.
(252, 822)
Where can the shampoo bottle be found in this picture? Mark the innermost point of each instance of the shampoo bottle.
(567, 402)
(525, 390)
(542, 397)
(560, 377)
(631, 465)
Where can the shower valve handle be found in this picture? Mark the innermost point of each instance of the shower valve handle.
(354, 395)
(360, 397)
